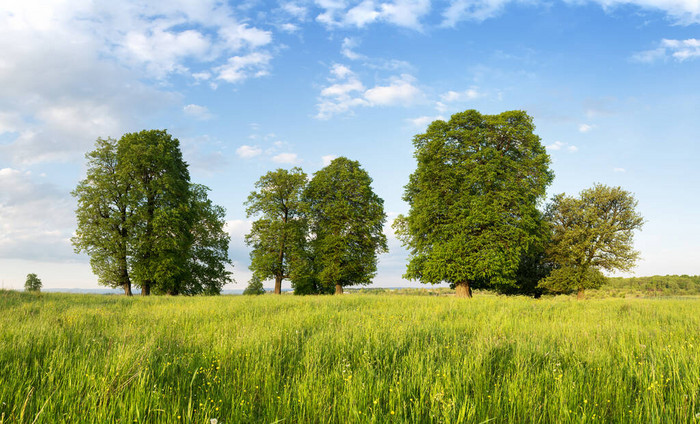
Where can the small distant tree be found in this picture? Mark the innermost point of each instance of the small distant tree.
(33, 283)
(590, 234)
(280, 230)
(346, 220)
(255, 287)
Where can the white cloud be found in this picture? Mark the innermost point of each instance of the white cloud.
(621, 170)
(558, 145)
(347, 92)
(461, 96)
(584, 128)
(196, 111)
(247, 152)
(684, 12)
(401, 91)
(424, 121)
(679, 50)
(347, 50)
(403, 13)
(327, 159)
(239, 68)
(289, 158)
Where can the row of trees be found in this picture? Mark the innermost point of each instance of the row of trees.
(475, 219)
(322, 234)
(144, 224)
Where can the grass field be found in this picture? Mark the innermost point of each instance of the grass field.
(355, 358)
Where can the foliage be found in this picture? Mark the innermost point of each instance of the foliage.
(141, 221)
(591, 234)
(278, 235)
(33, 283)
(255, 287)
(346, 220)
(393, 359)
(473, 200)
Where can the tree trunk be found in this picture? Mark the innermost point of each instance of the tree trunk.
(146, 289)
(127, 289)
(338, 289)
(278, 284)
(580, 295)
(463, 289)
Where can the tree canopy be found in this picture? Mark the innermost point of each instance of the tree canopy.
(591, 234)
(278, 235)
(142, 222)
(473, 200)
(346, 220)
(33, 283)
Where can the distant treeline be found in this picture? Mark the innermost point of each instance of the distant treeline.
(657, 284)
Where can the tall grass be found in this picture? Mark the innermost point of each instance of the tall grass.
(355, 358)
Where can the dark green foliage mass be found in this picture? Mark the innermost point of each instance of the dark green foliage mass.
(473, 200)
(142, 222)
(278, 235)
(346, 220)
(591, 234)
(255, 287)
(33, 283)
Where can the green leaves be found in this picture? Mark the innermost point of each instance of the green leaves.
(346, 220)
(591, 233)
(140, 220)
(473, 199)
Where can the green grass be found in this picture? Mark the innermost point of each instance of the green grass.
(355, 358)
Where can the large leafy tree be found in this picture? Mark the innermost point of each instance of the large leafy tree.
(33, 283)
(591, 234)
(278, 235)
(346, 219)
(142, 222)
(473, 200)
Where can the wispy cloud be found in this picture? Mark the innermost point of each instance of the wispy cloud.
(678, 50)
(403, 13)
(197, 111)
(584, 128)
(287, 158)
(558, 145)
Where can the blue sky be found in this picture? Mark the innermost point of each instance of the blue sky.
(250, 86)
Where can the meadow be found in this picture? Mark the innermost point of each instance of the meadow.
(347, 359)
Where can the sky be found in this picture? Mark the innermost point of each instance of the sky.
(247, 87)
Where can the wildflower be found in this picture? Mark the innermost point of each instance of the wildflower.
(213, 421)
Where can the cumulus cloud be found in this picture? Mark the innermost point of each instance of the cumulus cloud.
(288, 158)
(678, 50)
(558, 145)
(460, 96)
(327, 159)
(424, 121)
(403, 13)
(247, 152)
(347, 92)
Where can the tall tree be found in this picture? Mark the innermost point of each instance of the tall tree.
(142, 222)
(473, 200)
(104, 216)
(346, 221)
(152, 161)
(279, 232)
(591, 234)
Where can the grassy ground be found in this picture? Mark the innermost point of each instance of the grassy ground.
(355, 358)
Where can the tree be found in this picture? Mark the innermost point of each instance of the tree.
(255, 287)
(152, 161)
(591, 234)
(33, 283)
(473, 200)
(346, 220)
(142, 222)
(106, 207)
(279, 232)
(208, 245)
